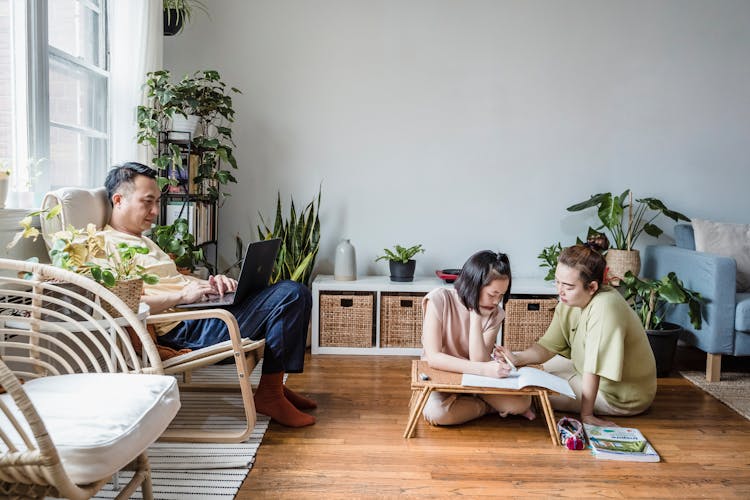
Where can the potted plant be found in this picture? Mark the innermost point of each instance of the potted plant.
(178, 12)
(205, 96)
(83, 251)
(624, 230)
(651, 299)
(400, 261)
(549, 256)
(300, 241)
(177, 241)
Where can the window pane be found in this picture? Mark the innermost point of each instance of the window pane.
(76, 96)
(76, 159)
(74, 29)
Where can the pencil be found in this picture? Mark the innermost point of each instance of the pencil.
(507, 360)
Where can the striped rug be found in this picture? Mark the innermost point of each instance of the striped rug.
(202, 470)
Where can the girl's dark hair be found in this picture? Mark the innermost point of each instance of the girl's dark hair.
(587, 260)
(124, 175)
(480, 270)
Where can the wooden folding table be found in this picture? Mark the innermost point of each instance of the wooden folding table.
(442, 381)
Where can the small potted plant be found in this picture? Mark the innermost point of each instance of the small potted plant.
(177, 241)
(651, 299)
(400, 261)
(625, 230)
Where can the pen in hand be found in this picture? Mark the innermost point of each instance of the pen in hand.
(507, 360)
(510, 363)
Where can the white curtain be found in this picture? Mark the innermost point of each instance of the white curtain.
(136, 47)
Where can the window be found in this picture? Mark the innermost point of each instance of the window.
(54, 82)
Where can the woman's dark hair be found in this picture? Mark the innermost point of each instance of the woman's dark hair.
(480, 270)
(587, 260)
(124, 175)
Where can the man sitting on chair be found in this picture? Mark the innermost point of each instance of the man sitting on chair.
(279, 313)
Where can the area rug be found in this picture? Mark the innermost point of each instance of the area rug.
(198, 471)
(733, 389)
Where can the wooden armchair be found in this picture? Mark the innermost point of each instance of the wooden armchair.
(81, 206)
(77, 404)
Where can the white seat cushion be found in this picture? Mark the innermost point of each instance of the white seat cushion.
(99, 422)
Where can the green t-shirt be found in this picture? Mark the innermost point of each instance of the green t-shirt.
(606, 338)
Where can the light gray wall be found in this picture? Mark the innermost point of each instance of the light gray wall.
(465, 125)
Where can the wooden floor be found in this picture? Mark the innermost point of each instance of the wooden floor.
(356, 448)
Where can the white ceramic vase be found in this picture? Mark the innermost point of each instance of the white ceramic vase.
(345, 262)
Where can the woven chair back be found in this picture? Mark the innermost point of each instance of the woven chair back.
(53, 322)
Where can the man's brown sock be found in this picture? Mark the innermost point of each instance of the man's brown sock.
(298, 400)
(269, 400)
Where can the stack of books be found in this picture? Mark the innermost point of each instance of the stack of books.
(620, 443)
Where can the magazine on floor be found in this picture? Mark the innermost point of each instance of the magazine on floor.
(620, 443)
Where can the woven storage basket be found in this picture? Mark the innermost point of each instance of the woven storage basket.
(129, 291)
(347, 319)
(401, 319)
(526, 320)
(621, 261)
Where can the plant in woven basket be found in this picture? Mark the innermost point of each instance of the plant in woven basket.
(651, 299)
(300, 241)
(624, 229)
(83, 251)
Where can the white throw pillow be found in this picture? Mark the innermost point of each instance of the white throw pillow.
(729, 240)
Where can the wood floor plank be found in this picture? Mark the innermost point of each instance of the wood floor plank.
(356, 448)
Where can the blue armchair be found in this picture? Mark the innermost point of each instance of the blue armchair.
(726, 327)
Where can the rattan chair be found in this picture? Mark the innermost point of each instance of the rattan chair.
(78, 403)
(81, 206)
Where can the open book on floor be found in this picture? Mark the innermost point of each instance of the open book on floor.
(523, 377)
(620, 443)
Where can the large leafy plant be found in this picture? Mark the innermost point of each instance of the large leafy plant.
(651, 299)
(300, 240)
(625, 220)
(400, 253)
(206, 96)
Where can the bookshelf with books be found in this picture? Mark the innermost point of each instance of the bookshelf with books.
(183, 198)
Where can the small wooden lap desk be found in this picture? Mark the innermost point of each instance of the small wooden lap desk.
(442, 381)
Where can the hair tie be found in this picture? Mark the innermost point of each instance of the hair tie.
(571, 433)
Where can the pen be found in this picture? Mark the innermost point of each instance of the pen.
(507, 360)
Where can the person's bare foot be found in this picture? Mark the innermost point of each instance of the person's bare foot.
(529, 414)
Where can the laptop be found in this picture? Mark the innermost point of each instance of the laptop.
(256, 270)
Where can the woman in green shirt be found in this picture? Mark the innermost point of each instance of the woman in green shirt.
(595, 341)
